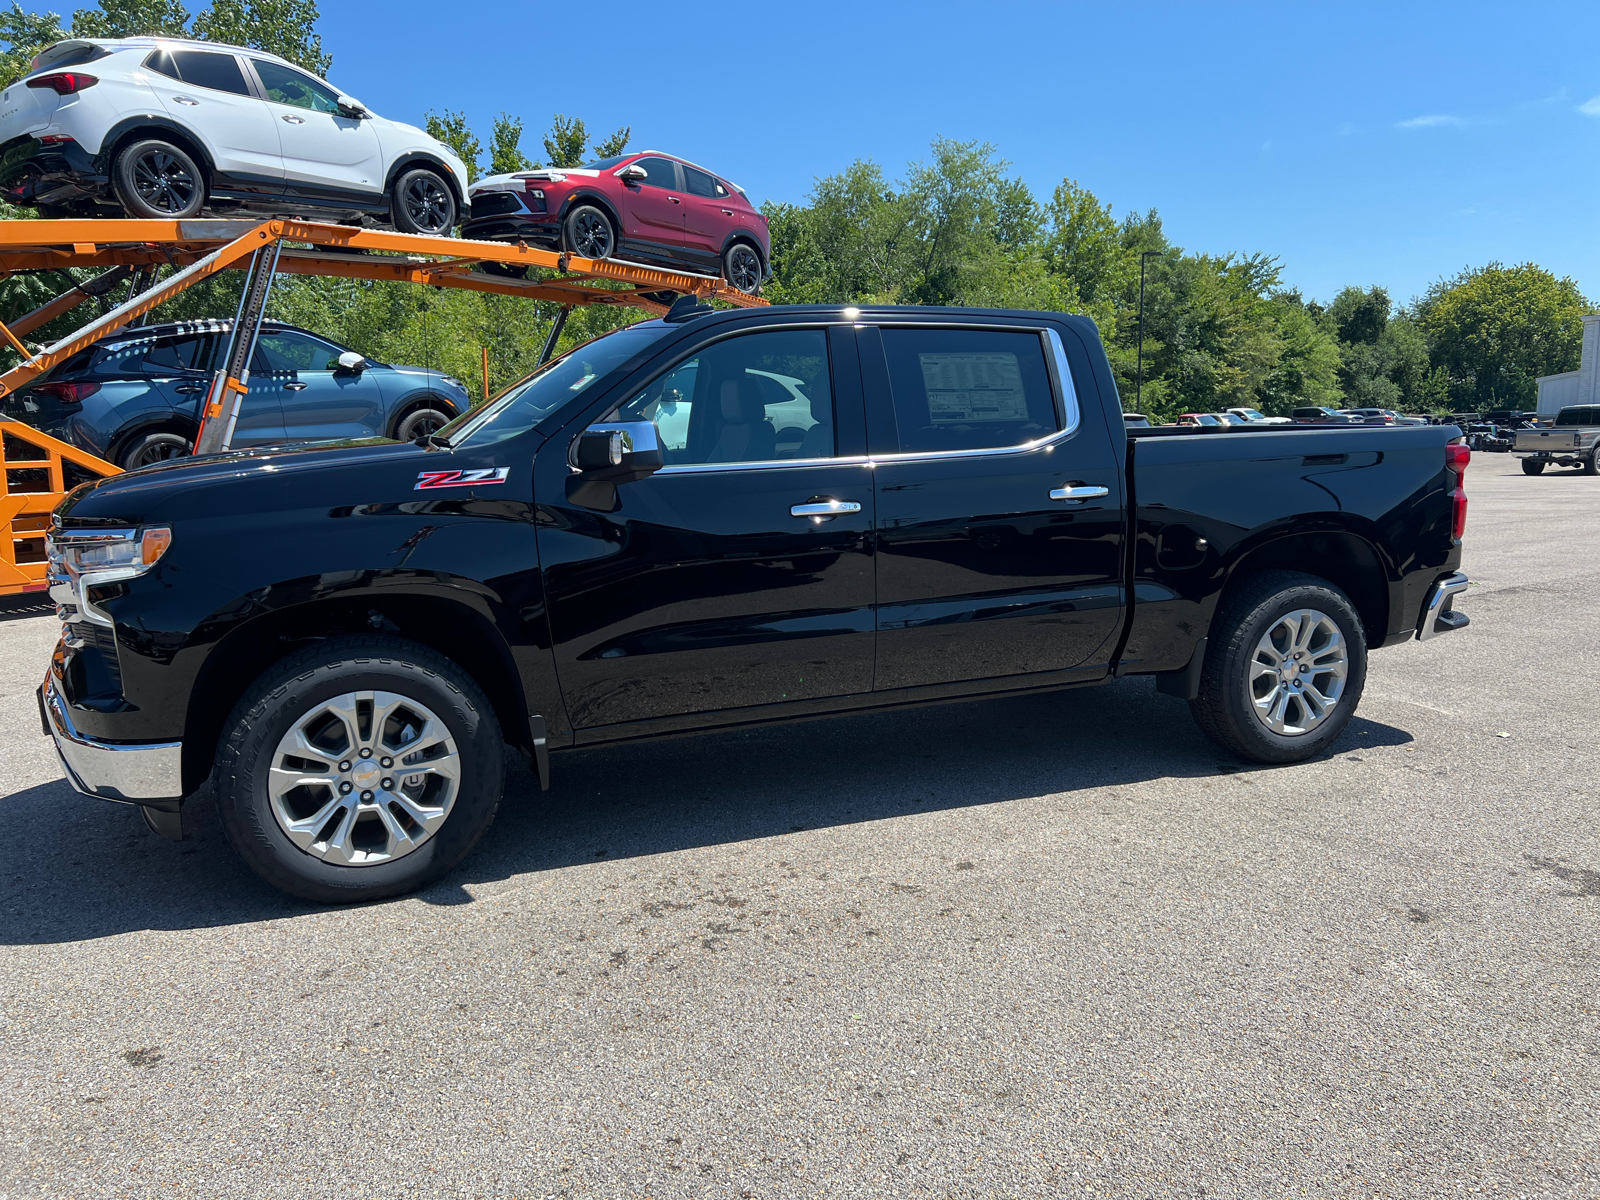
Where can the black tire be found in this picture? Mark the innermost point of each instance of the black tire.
(1533, 466)
(153, 179)
(419, 421)
(1224, 709)
(153, 448)
(589, 233)
(422, 202)
(1591, 465)
(281, 698)
(741, 266)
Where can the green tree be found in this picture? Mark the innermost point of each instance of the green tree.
(1496, 329)
(282, 27)
(451, 129)
(25, 34)
(505, 147)
(615, 145)
(567, 141)
(132, 18)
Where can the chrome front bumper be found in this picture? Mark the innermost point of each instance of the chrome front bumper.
(131, 773)
(1437, 614)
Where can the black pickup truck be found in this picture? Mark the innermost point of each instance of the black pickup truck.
(706, 520)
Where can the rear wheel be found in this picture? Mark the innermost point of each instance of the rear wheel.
(360, 768)
(421, 202)
(588, 233)
(154, 448)
(1286, 660)
(741, 266)
(420, 421)
(154, 179)
(1533, 466)
(1591, 465)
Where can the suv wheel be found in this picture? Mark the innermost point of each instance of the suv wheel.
(1591, 465)
(421, 202)
(588, 233)
(154, 448)
(154, 179)
(1285, 664)
(1533, 466)
(420, 421)
(359, 768)
(741, 266)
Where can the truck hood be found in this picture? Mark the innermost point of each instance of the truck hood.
(135, 496)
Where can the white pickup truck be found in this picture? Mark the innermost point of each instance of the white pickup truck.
(1574, 441)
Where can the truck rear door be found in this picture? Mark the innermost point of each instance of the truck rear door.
(999, 502)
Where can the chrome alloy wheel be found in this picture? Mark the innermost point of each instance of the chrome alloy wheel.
(1298, 672)
(364, 778)
(163, 182)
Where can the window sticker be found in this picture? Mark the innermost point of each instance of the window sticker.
(966, 388)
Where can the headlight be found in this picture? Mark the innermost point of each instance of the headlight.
(84, 558)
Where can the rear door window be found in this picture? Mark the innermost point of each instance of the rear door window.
(698, 183)
(969, 389)
(202, 69)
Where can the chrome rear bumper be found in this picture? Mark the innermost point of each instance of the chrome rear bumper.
(1438, 615)
(132, 773)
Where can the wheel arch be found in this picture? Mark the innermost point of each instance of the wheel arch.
(170, 422)
(747, 236)
(421, 158)
(459, 630)
(598, 201)
(423, 399)
(149, 124)
(1355, 564)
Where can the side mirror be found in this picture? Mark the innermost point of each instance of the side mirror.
(351, 107)
(610, 453)
(633, 173)
(352, 362)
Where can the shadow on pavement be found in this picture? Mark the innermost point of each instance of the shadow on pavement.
(73, 868)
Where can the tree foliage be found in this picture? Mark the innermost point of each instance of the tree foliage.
(451, 128)
(1495, 329)
(282, 27)
(568, 141)
(505, 146)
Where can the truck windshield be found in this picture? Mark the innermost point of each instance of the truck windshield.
(520, 407)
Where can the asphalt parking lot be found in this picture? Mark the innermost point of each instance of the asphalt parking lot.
(1025, 947)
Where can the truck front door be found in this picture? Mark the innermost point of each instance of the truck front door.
(999, 508)
(712, 586)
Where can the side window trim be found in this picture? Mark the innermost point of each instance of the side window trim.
(881, 420)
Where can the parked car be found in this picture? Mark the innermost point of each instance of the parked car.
(1255, 416)
(1373, 416)
(1510, 418)
(1321, 416)
(647, 207)
(134, 398)
(1199, 421)
(166, 128)
(1572, 441)
(1135, 420)
(345, 659)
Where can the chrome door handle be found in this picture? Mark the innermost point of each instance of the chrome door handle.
(1077, 495)
(727, 212)
(186, 100)
(189, 389)
(824, 510)
(674, 199)
(294, 120)
(296, 387)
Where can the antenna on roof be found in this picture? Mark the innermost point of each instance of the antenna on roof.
(685, 307)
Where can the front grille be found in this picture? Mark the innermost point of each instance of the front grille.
(495, 204)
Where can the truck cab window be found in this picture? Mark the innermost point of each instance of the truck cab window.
(757, 398)
(968, 389)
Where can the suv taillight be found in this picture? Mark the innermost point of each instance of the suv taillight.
(64, 83)
(1456, 458)
(69, 391)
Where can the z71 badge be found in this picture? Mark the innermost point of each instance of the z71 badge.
(483, 476)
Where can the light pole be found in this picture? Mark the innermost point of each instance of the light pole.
(1138, 386)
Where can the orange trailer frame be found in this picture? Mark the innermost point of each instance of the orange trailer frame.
(33, 466)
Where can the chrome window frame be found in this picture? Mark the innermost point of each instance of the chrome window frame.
(1064, 395)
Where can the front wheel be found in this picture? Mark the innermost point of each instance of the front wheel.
(359, 768)
(1286, 660)
(741, 266)
(418, 422)
(1533, 466)
(421, 202)
(154, 179)
(588, 233)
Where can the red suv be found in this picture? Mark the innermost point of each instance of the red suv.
(645, 207)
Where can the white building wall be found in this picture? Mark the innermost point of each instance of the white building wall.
(1575, 387)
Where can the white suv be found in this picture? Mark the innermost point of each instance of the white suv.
(165, 128)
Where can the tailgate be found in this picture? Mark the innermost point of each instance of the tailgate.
(1548, 439)
(24, 109)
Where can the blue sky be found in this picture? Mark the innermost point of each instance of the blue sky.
(1361, 143)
